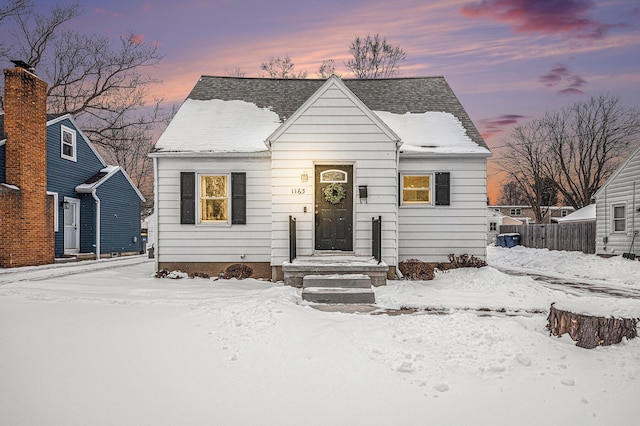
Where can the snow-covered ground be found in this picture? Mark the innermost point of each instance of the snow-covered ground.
(104, 343)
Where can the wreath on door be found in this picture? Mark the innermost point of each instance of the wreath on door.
(334, 193)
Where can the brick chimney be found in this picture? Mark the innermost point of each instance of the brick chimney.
(26, 213)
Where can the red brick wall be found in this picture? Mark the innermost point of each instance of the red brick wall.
(26, 227)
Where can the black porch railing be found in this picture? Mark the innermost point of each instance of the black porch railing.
(376, 238)
(292, 238)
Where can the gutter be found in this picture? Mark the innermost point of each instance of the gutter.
(95, 197)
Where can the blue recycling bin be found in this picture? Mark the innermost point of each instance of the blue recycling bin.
(508, 240)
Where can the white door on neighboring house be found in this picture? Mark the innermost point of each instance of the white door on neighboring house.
(71, 225)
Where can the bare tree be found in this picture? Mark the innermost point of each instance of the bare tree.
(281, 68)
(512, 195)
(587, 141)
(373, 57)
(99, 82)
(573, 151)
(327, 69)
(14, 7)
(234, 71)
(526, 159)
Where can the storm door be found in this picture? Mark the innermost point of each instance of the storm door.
(334, 207)
(71, 225)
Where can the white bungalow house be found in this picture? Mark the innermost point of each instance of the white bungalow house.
(245, 160)
(618, 209)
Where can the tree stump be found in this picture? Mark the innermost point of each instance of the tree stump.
(590, 331)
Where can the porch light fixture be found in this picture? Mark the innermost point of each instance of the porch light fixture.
(304, 177)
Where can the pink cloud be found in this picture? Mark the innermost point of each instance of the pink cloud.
(571, 91)
(493, 126)
(541, 16)
(560, 74)
(136, 38)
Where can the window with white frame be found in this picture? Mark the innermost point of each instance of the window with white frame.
(563, 213)
(417, 189)
(619, 221)
(493, 226)
(67, 143)
(214, 198)
(515, 212)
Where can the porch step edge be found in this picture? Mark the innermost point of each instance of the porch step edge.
(337, 280)
(338, 295)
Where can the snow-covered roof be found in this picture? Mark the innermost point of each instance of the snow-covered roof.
(237, 115)
(584, 214)
(434, 132)
(218, 126)
(101, 177)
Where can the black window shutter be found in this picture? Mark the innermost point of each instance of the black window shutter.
(187, 197)
(399, 189)
(239, 198)
(443, 193)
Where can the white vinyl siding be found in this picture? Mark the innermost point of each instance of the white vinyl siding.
(334, 130)
(459, 228)
(204, 243)
(618, 191)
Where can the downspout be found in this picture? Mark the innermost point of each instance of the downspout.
(397, 207)
(155, 210)
(95, 197)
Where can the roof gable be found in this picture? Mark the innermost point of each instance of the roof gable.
(620, 168)
(333, 82)
(59, 118)
(104, 175)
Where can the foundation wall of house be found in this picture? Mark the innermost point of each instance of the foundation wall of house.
(214, 269)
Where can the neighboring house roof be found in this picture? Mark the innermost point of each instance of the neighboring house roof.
(101, 177)
(504, 219)
(423, 112)
(585, 214)
(617, 171)
(51, 120)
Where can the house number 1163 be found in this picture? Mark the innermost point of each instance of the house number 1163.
(298, 191)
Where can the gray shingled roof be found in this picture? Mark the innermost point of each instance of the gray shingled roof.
(395, 95)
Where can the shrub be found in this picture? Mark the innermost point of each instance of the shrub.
(414, 269)
(238, 271)
(465, 261)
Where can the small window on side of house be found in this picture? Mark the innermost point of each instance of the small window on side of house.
(214, 199)
(619, 221)
(493, 226)
(563, 213)
(67, 143)
(417, 189)
(515, 212)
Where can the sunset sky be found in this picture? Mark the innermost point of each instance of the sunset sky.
(508, 61)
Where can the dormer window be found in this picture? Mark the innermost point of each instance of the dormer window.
(68, 143)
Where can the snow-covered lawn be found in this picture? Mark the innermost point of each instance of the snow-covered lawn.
(115, 346)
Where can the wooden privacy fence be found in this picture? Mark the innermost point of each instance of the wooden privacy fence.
(568, 236)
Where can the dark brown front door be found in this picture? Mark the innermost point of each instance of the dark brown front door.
(334, 207)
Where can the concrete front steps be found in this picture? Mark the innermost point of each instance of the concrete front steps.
(334, 264)
(338, 289)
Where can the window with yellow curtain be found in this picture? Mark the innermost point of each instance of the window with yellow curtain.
(214, 199)
(416, 189)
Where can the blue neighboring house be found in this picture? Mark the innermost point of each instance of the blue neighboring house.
(97, 205)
